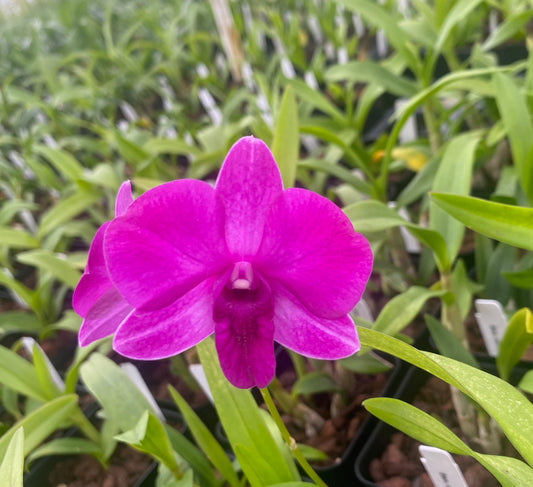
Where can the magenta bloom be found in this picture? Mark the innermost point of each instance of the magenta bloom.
(248, 261)
(95, 298)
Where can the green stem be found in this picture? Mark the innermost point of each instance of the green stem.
(289, 440)
(86, 427)
(298, 362)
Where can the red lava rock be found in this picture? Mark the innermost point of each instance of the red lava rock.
(477, 476)
(376, 470)
(425, 480)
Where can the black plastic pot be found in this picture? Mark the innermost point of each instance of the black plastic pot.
(40, 470)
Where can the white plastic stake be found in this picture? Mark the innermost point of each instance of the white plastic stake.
(408, 133)
(492, 323)
(441, 467)
(198, 373)
(412, 245)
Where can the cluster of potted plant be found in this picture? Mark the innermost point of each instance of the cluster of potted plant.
(229, 230)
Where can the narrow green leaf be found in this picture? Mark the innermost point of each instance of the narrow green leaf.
(454, 175)
(514, 413)
(66, 446)
(64, 162)
(426, 429)
(522, 279)
(372, 73)
(286, 142)
(19, 322)
(447, 342)
(512, 105)
(511, 25)
(416, 423)
(17, 239)
(205, 440)
(374, 216)
(50, 262)
(65, 210)
(149, 436)
(314, 383)
(402, 309)
(506, 223)
(244, 426)
(12, 466)
(526, 383)
(458, 12)
(515, 342)
(44, 374)
(113, 389)
(19, 374)
(316, 99)
(42, 422)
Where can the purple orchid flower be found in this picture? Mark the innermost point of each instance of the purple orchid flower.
(95, 298)
(246, 260)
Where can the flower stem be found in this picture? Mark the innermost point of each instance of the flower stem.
(289, 440)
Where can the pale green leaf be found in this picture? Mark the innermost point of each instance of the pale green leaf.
(509, 224)
(12, 466)
(286, 143)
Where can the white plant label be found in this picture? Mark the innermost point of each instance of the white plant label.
(492, 323)
(441, 467)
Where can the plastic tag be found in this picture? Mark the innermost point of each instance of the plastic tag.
(135, 376)
(363, 310)
(408, 132)
(28, 343)
(412, 245)
(198, 373)
(441, 467)
(492, 323)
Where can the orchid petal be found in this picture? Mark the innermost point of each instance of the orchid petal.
(169, 241)
(104, 317)
(310, 247)
(124, 198)
(150, 335)
(307, 334)
(248, 181)
(95, 280)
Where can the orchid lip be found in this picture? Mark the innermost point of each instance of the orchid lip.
(242, 277)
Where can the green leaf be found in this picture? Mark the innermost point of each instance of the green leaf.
(41, 364)
(366, 363)
(522, 279)
(64, 162)
(113, 389)
(42, 422)
(339, 172)
(372, 73)
(12, 466)
(17, 239)
(65, 210)
(19, 374)
(374, 216)
(526, 383)
(317, 100)
(457, 13)
(50, 262)
(149, 436)
(426, 429)
(515, 341)
(314, 383)
(416, 423)
(165, 478)
(66, 446)
(454, 175)
(244, 426)
(205, 440)
(512, 105)
(506, 223)
(19, 322)
(448, 343)
(511, 410)
(286, 142)
(511, 26)
(403, 308)
(380, 17)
